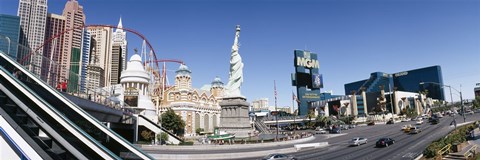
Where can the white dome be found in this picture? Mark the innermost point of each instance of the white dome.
(135, 71)
(136, 57)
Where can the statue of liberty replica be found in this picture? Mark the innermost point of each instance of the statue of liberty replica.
(234, 117)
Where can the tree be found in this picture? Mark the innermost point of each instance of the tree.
(322, 120)
(199, 130)
(162, 137)
(173, 122)
(310, 115)
(147, 135)
(411, 113)
(476, 102)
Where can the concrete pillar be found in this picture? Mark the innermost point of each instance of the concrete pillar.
(353, 101)
(395, 102)
(364, 96)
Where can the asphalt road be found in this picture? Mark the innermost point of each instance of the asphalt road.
(406, 146)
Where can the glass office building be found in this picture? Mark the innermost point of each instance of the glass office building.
(9, 27)
(408, 81)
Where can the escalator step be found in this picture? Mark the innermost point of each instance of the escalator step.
(10, 108)
(22, 118)
(32, 130)
(47, 141)
(57, 153)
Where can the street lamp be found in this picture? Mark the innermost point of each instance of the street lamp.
(8, 50)
(451, 99)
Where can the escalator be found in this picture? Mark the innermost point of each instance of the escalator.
(52, 124)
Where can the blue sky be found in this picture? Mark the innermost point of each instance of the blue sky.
(352, 38)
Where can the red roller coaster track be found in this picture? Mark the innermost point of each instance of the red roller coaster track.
(50, 39)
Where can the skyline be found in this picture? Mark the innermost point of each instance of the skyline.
(341, 33)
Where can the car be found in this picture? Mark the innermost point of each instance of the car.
(390, 122)
(384, 142)
(415, 130)
(435, 121)
(352, 126)
(336, 130)
(404, 120)
(419, 122)
(277, 156)
(320, 131)
(408, 126)
(371, 123)
(358, 141)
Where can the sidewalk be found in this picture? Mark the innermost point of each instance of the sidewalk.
(228, 147)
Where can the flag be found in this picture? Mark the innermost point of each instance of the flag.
(295, 98)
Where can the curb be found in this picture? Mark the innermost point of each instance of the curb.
(228, 147)
(237, 155)
(419, 157)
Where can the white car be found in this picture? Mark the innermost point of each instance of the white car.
(358, 141)
(419, 122)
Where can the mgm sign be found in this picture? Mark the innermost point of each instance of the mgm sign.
(307, 80)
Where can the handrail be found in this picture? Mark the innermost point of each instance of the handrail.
(3, 133)
(468, 152)
(444, 149)
(68, 105)
(56, 116)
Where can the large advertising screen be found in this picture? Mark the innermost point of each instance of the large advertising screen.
(131, 101)
(317, 81)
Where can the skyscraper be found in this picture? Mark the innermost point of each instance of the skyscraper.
(100, 55)
(53, 50)
(116, 65)
(71, 57)
(85, 57)
(33, 17)
(9, 27)
(120, 38)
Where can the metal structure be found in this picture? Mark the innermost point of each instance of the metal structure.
(152, 69)
(451, 98)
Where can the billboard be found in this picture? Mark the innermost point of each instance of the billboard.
(317, 81)
(131, 97)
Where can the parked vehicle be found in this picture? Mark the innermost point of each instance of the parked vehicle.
(384, 142)
(358, 141)
(277, 156)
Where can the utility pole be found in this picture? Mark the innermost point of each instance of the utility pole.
(276, 113)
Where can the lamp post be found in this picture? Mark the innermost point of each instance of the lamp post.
(451, 99)
(8, 50)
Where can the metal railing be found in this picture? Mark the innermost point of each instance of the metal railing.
(445, 149)
(46, 66)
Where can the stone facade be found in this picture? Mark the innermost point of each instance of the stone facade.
(198, 108)
(235, 116)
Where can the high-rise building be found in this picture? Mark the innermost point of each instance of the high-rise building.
(95, 74)
(260, 104)
(100, 55)
(33, 17)
(53, 50)
(409, 81)
(9, 32)
(85, 59)
(71, 57)
(116, 65)
(120, 38)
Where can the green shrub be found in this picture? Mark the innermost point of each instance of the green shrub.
(189, 143)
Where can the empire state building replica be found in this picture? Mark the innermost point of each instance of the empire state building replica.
(234, 117)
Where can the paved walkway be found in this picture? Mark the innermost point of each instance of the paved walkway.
(288, 149)
(228, 147)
